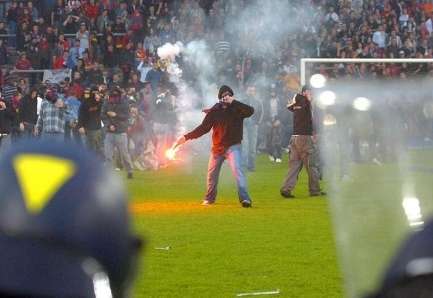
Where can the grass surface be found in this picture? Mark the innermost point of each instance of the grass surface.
(223, 250)
(374, 212)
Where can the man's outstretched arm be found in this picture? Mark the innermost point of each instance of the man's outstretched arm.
(200, 130)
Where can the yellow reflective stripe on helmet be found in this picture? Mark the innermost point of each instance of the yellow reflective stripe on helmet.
(40, 177)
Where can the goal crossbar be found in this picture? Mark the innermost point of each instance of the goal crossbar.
(304, 61)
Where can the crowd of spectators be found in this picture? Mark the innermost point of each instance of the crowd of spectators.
(110, 47)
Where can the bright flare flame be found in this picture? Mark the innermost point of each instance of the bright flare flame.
(171, 153)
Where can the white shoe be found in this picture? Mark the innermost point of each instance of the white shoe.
(278, 160)
(271, 158)
(206, 203)
(376, 161)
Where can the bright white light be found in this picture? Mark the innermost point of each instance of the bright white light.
(413, 211)
(101, 285)
(329, 120)
(428, 110)
(362, 104)
(317, 80)
(326, 98)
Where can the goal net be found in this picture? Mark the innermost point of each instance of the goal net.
(375, 124)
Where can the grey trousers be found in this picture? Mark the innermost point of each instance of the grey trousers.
(5, 142)
(119, 141)
(94, 141)
(302, 154)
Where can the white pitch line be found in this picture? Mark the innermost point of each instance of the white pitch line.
(163, 248)
(276, 292)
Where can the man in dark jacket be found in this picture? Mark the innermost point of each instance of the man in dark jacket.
(301, 145)
(6, 118)
(28, 113)
(115, 115)
(89, 121)
(226, 119)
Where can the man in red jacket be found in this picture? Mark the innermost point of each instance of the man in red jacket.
(226, 120)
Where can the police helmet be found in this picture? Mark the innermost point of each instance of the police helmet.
(64, 224)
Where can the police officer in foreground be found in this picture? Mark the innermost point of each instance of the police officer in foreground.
(64, 224)
(301, 145)
(410, 272)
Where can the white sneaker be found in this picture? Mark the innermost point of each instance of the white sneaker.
(278, 160)
(376, 161)
(271, 158)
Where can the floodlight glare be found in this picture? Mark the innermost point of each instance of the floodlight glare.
(317, 80)
(326, 98)
(361, 104)
(412, 208)
(329, 120)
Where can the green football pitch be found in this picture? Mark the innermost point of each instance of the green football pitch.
(224, 250)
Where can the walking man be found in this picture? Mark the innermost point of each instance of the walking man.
(301, 146)
(251, 130)
(226, 119)
(115, 115)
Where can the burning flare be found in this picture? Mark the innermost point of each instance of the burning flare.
(171, 153)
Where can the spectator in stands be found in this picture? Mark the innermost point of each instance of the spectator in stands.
(52, 115)
(33, 10)
(15, 125)
(3, 31)
(23, 86)
(76, 88)
(57, 13)
(45, 53)
(103, 21)
(12, 20)
(28, 113)
(154, 77)
(89, 121)
(83, 36)
(71, 118)
(70, 24)
(23, 63)
(58, 60)
(6, 119)
(9, 90)
(3, 53)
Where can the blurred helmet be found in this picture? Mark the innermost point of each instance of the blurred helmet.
(64, 225)
(410, 272)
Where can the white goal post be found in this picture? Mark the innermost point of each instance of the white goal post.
(304, 61)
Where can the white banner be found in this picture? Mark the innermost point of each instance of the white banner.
(55, 76)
